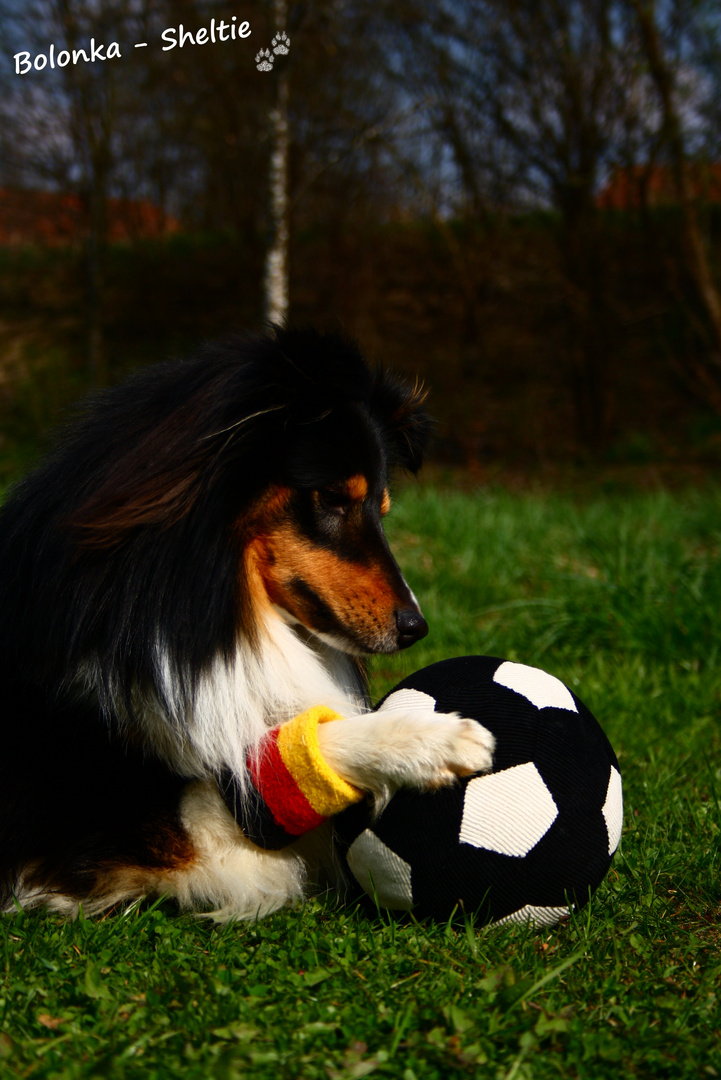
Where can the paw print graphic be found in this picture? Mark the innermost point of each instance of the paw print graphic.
(281, 44)
(264, 60)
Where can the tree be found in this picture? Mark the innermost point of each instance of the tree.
(79, 105)
(662, 32)
(529, 98)
(276, 283)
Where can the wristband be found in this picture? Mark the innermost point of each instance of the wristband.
(292, 788)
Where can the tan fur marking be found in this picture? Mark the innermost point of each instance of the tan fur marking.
(357, 487)
(385, 502)
(359, 596)
(165, 854)
(257, 555)
(271, 504)
(258, 562)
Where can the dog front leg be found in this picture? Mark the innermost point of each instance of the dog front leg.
(405, 745)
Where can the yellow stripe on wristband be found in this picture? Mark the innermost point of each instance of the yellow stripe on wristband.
(326, 791)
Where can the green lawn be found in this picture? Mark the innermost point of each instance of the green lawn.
(618, 595)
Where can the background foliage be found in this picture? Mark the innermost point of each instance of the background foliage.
(520, 200)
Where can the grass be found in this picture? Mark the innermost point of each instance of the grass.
(619, 596)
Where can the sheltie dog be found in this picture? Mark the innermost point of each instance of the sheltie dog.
(199, 559)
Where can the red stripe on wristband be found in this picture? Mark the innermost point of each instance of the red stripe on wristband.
(276, 785)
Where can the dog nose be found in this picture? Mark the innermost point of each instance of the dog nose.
(411, 626)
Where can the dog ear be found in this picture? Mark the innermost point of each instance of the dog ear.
(399, 407)
(155, 483)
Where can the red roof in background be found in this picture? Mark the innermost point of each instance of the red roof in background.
(629, 189)
(51, 218)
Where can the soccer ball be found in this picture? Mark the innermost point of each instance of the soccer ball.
(528, 841)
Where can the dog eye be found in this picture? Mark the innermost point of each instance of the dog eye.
(334, 502)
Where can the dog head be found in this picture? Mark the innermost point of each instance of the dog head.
(254, 479)
(314, 544)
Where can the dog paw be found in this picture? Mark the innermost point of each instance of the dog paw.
(462, 747)
(414, 747)
(435, 750)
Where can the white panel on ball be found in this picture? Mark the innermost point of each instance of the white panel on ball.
(612, 810)
(402, 700)
(538, 916)
(541, 689)
(508, 811)
(384, 875)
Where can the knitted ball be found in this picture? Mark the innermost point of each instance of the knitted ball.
(526, 842)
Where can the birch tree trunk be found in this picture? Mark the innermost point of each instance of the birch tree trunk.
(276, 263)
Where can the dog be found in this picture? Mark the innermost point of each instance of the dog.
(200, 558)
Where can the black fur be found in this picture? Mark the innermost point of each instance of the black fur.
(131, 532)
